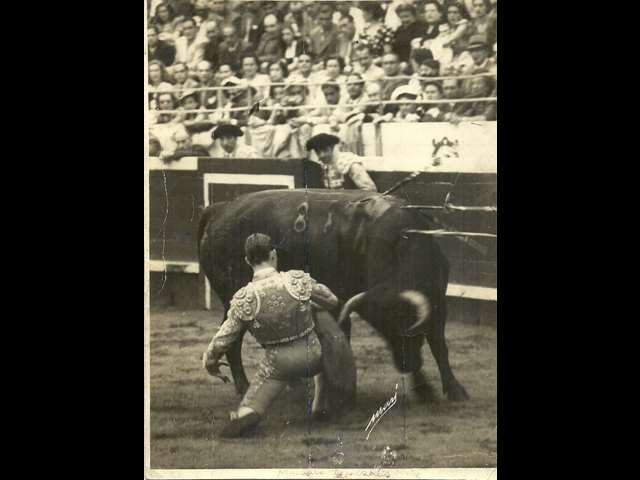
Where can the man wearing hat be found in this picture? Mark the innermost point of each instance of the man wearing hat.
(226, 145)
(337, 166)
(479, 51)
(286, 313)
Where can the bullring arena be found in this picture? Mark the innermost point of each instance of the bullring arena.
(443, 169)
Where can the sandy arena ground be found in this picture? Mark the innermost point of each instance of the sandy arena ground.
(188, 407)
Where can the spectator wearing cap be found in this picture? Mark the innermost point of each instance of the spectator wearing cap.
(479, 51)
(324, 37)
(270, 45)
(232, 48)
(410, 28)
(158, 49)
(253, 78)
(190, 47)
(391, 67)
(407, 110)
(184, 148)
(338, 167)
(226, 144)
(365, 66)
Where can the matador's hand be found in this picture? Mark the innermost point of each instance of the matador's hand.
(212, 366)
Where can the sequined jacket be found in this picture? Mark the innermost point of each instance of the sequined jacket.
(275, 307)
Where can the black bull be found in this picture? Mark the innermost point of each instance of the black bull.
(352, 241)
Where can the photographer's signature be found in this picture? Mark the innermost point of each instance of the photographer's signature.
(378, 414)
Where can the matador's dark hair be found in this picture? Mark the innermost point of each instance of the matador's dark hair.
(257, 248)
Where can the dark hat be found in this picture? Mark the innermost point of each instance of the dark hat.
(422, 55)
(226, 130)
(321, 140)
(477, 41)
(255, 241)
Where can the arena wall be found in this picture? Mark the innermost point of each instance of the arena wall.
(179, 191)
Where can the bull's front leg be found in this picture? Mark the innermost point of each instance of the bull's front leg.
(234, 357)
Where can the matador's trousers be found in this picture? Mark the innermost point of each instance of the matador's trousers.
(281, 364)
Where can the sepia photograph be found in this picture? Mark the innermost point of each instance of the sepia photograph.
(321, 239)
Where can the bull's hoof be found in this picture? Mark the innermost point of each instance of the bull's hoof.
(457, 393)
(241, 427)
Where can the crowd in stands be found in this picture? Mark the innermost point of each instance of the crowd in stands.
(305, 64)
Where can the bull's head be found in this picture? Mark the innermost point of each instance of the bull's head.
(442, 150)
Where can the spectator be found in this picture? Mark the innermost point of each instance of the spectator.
(407, 110)
(232, 48)
(270, 45)
(378, 112)
(225, 143)
(208, 98)
(460, 26)
(250, 22)
(293, 47)
(333, 68)
(189, 48)
(322, 115)
(225, 72)
(158, 49)
(481, 19)
(251, 76)
(324, 37)
(433, 17)
(300, 20)
(184, 148)
(217, 11)
(491, 31)
(451, 91)
(351, 103)
(481, 110)
(188, 101)
(181, 80)
(410, 28)
(435, 112)
(213, 44)
(347, 32)
(372, 14)
(163, 19)
(165, 101)
(365, 65)
(154, 146)
(479, 51)
(424, 65)
(391, 67)
(158, 81)
(278, 71)
(347, 9)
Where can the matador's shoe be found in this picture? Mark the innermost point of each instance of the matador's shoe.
(239, 427)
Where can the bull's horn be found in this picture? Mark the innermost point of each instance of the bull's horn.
(420, 302)
(350, 306)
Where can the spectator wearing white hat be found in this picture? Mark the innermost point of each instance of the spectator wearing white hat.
(407, 110)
